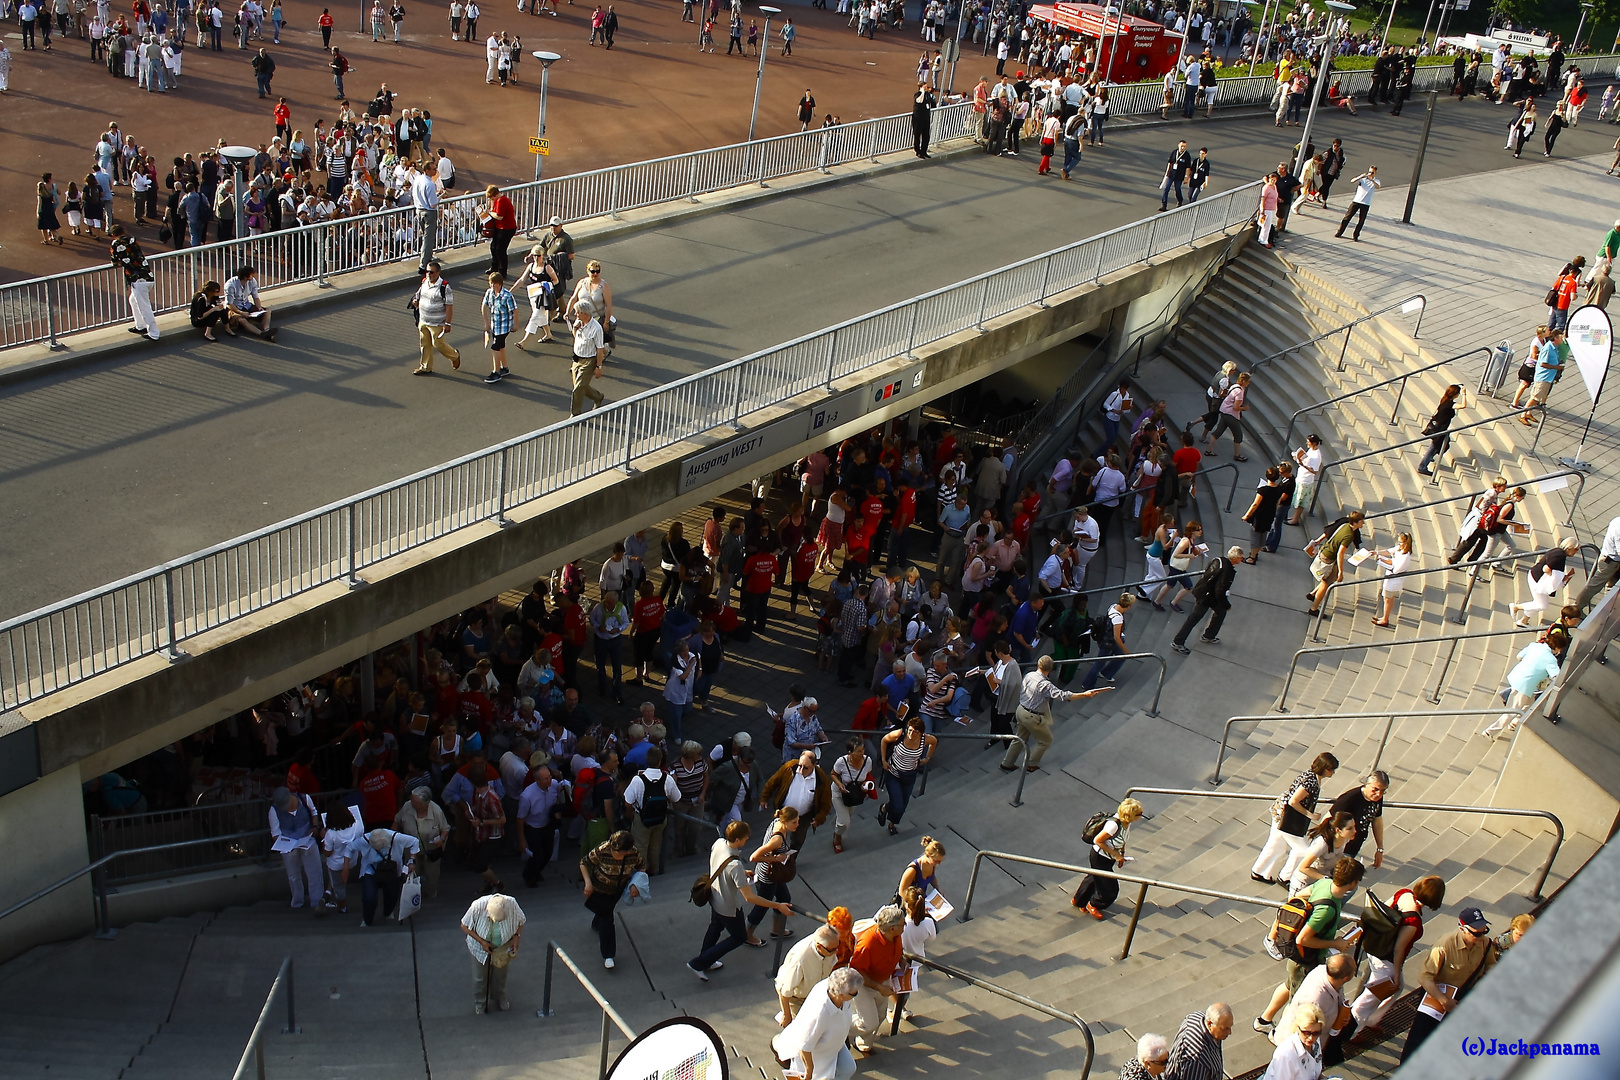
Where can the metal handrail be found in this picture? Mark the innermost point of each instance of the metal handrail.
(1135, 879)
(1103, 659)
(922, 786)
(610, 1015)
(1282, 700)
(151, 612)
(1391, 714)
(1288, 437)
(1128, 492)
(254, 1050)
(1018, 999)
(103, 929)
(1316, 489)
(1350, 326)
(1569, 522)
(1495, 560)
(1439, 808)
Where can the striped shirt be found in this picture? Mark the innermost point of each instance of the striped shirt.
(1195, 1054)
(500, 304)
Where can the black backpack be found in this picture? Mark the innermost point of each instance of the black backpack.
(1102, 630)
(1206, 581)
(654, 802)
(1094, 825)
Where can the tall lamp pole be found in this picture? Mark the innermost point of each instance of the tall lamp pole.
(1113, 43)
(239, 156)
(1585, 8)
(546, 60)
(759, 76)
(956, 55)
(1260, 36)
(1390, 23)
(1325, 72)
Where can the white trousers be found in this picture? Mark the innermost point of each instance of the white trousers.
(140, 306)
(1279, 846)
(1268, 218)
(871, 1010)
(1367, 1008)
(303, 866)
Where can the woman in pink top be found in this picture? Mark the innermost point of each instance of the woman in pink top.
(1268, 208)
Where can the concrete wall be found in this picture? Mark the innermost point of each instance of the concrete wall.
(42, 840)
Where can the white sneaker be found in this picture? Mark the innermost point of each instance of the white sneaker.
(863, 1046)
(608, 963)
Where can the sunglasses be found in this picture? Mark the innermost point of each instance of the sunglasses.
(596, 271)
(1310, 1033)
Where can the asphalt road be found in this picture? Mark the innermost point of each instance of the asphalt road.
(109, 469)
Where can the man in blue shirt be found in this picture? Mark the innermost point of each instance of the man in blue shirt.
(610, 622)
(1550, 361)
(1025, 621)
(953, 521)
(899, 686)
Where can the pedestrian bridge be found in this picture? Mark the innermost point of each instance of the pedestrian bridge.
(121, 670)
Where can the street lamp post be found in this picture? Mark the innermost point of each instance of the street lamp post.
(238, 156)
(759, 75)
(1113, 43)
(961, 25)
(546, 60)
(1326, 72)
(1581, 26)
(1259, 37)
(1390, 22)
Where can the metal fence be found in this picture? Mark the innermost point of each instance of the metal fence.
(154, 611)
(44, 309)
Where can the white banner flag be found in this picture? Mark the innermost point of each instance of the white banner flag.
(1591, 341)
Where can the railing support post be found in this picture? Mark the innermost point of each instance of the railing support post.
(613, 196)
(629, 441)
(832, 356)
(1383, 741)
(349, 527)
(871, 145)
(50, 318)
(98, 889)
(691, 180)
(911, 338)
(171, 617)
(1023, 772)
(1349, 332)
(292, 1008)
(602, 1062)
(1136, 916)
(736, 398)
(1540, 426)
(1399, 394)
(1046, 279)
(500, 505)
(545, 996)
(1153, 229)
(984, 301)
(973, 881)
(1096, 275)
(319, 238)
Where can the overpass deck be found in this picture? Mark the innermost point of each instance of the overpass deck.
(109, 468)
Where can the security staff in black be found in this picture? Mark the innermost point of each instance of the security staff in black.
(1210, 593)
(922, 119)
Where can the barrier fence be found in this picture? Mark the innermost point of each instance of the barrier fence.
(154, 611)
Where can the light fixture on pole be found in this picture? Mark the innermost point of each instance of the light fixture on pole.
(1590, 338)
(1113, 42)
(1585, 8)
(238, 156)
(1390, 22)
(759, 75)
(1319, 87)
(546, 60)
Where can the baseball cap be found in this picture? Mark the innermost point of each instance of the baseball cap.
(743, 739)
(555, 220)
(1473, 919)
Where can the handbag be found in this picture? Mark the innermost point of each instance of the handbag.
(700, 887)
(410, 899)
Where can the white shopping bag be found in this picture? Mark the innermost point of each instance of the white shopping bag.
(410, 898)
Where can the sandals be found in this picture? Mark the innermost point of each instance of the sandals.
(1252, 559)
(1237, 457)
(1380, 622)
(1313, 613)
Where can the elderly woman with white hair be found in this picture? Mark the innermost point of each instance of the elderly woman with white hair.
(1299, 1049)
(1152, 1058)
(494, 929)
(812, 1046)
(295, 830)
(1545, 578)
(385, 858)
(424, 819)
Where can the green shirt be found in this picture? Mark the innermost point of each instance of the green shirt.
(1611, 245)
(1324, 919)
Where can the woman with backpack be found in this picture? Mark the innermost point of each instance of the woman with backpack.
(1494, 523)
(1291, 818)
(1387, 952)
(1107, 840)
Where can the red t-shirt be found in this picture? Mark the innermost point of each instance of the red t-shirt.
(804, 562)
(870, 714)
(476, 707)
(575, 625)
(505, 213)
(552, 643)
(1032, 505)
(759, 572)
(648, 614)
(859, 544)
(905, 511)
(444, 700)
(1186, 459)
(300, 781)
(325, 20)
(1020, 528)
(725, 620)
(379, 796)
(872, 511)
(1566, 291)
(281, 113)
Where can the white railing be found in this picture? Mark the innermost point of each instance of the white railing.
(46, 308)
(153, 612)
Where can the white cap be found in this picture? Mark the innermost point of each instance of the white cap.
(555, 220)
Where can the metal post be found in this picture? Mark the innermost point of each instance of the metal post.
(1136, 915)
(1383, 741)
(1153, 228)
(1046, 280)
(1096, 275)
(1349, 332)
(911, 338)
(98, 887)
(1440, 683)
(973, 880)
(613, 196)
(691, 180)
(629, 440)
(1018, 793)
(736, 398)
(1417, 162)
(607, 1030)
(984, 300)
(871, 144)
(832, 355)
(1541, 425)
(169, 613)
(258, 1055)
(545, 999)
(319, 237)
(368, 683)
(1396, 411)
(50, 318)
(500, 485)
(759, 75)
(354, 578)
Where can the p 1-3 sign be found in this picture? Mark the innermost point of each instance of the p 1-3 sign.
(540, 146)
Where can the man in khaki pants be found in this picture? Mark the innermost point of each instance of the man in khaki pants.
(435, 306)
(1034, 712)
(589, 352)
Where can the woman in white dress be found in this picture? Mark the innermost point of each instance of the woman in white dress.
(1545, 579)
(1394, 561)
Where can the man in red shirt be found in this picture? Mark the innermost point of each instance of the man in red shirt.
(574, 627)
(1186, 461)
(283, 118)
(804, 568)
(1022, 519)
(759, 575)
(647, 620)
(1558, 317)
(905, 512)
(379, 797)
(874, 511)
